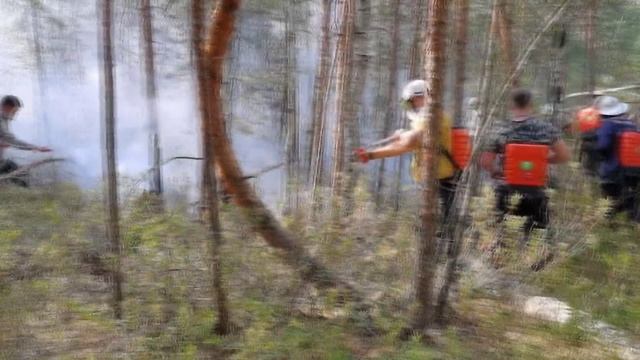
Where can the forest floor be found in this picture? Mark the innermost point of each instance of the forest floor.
(54, 300)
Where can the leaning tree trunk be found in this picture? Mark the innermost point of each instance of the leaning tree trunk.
(343, 79)
(109, 163)
(155, 183)
(434, 70)
(209, 181)
(456, 223)
(320, 95)
(390, 112)
(244, 196)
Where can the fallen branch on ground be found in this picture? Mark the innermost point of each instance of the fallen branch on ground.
(23, 170)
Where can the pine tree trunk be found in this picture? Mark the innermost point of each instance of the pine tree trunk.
(457, 220)
(209, 180)
(390, 114)
(321, 92)
(343, 79)
(110, 166)
(506, 39)
(155, 183)
(434, 71)
(244, 196)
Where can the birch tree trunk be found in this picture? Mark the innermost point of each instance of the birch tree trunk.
(262, 220)
(209, 180)
(155, 183)
(434, 70)
(321, 92)
(109, 163)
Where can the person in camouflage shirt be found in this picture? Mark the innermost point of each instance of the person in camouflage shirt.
(9, 107)
(523, 127)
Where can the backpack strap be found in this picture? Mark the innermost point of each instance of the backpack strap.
(449, 157)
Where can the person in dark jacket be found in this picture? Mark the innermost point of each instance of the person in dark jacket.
(617, 183)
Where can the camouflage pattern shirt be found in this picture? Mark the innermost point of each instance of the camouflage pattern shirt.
(526, 130)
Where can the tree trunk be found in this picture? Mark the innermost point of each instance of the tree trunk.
(415, 64)
(290, 107)
(434, 70)
(109, 164)
(360, 70)
(40, 71)
(591, 45)
(391, 95)
(209, 181)
(321, 92)
(506, 39)
(457, 220)
(155, 183)
(255, 211)
(343, 79)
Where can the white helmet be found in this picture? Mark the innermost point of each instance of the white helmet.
(412, 89)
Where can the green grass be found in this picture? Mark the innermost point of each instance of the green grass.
(602, 279)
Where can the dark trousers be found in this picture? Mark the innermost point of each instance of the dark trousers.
(7, 167)
(447, 191)
(624, 193)
(534, 205)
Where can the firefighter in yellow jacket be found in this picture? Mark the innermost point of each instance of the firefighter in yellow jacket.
(410, 141)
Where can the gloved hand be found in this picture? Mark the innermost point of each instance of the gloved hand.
(361, 155)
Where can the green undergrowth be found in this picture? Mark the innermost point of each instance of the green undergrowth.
(55, 301)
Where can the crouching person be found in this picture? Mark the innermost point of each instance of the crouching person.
(518, 158)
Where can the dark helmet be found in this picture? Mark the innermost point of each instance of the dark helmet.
(11, 101)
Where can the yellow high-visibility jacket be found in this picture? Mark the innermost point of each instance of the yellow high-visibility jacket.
(445, 167)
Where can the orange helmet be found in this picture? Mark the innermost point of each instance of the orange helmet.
(588, 119)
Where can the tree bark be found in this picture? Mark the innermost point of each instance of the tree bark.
(243, 195)
(360, 71)
(456, 224)
(321, 92)
(461, 36)
(290, 109)
(155, 183)
(343, 79)
(506, 39)
(40, 70)
(209, 181)
(390, 114)
(592, 13)
(434, 70)
(109, 164)
(415, 64)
